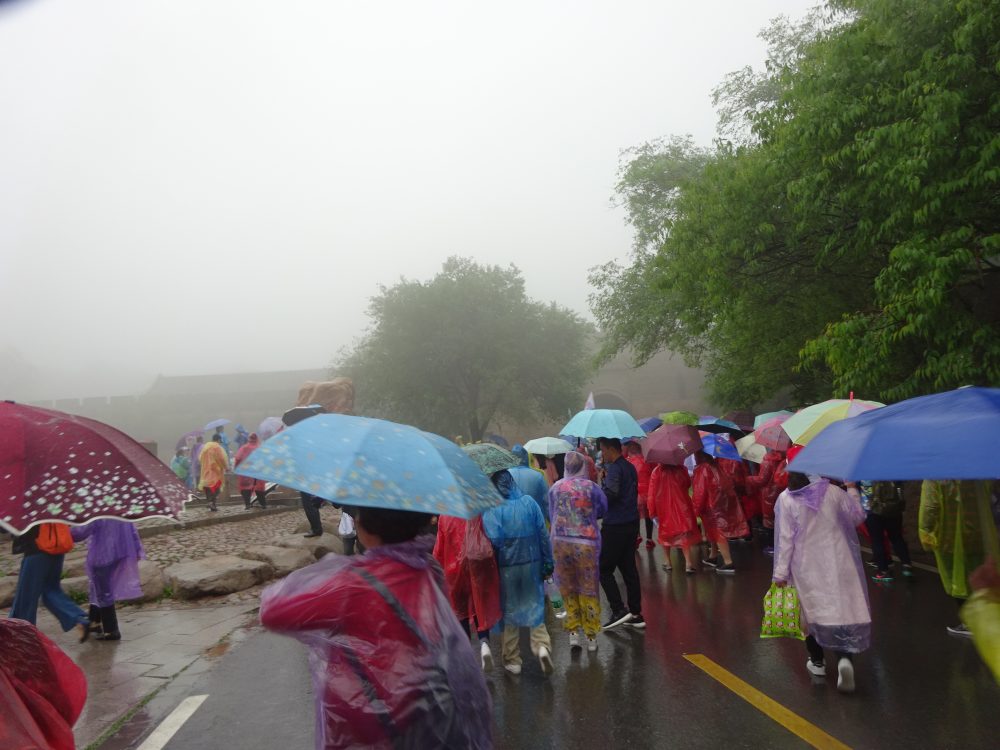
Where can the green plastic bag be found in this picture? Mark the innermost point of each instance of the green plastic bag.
(781, 614)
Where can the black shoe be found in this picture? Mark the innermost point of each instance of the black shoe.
(617, 619)
(116, 636)
(312, 534)
(636, 621)
(726, 570)
(712, 562)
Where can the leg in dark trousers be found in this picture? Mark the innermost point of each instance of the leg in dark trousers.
(649, 529)
(212, 495)
(618, 553)
(312, 514)
(261, 496)
(246, 498)
(894, 528)
(876, 528)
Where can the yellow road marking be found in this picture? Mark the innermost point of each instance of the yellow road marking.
(794, 723)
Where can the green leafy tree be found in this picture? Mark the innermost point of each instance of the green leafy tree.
(467, 351)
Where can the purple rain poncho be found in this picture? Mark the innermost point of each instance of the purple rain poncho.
(113, 553)
(575, 504)
(816, 549)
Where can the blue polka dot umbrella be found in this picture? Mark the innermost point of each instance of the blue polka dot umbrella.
(61, 467)
(374, 463)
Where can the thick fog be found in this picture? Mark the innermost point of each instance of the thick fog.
(217, 186)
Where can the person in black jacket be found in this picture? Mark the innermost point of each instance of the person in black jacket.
(618, 533)
(40, 579)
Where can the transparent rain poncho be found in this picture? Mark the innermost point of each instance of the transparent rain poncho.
(391, 665)
(816, 549)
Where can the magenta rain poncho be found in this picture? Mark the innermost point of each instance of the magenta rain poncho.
(113, 554)
(816, 549)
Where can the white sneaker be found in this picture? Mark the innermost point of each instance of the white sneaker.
(845, 676)
(592, 644)
(574, 640)
(486, 656)
(545, 659)
(513, 668)
(818, 669)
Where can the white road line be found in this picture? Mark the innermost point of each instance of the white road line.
(169, 726)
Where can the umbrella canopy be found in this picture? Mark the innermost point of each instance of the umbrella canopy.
(650, 423)
(61, 467)
(679, 417)
(491, 458)
(547, 446)
(216, 423)
(750, 449)
(713, 424)
(671, 444)
(608, 423)
(761, 418)
(742, 418)
(496, 440)
(951, 435)
(186, 438)
(806, 424)
(374, 463)
(719, 446)
(269, 427)
(771, 434)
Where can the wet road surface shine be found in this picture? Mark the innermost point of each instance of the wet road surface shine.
(916, 688)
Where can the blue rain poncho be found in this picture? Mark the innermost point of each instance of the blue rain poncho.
(524, 554)
(533, 484)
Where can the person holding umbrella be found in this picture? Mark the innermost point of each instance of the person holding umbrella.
(643, 471)
(717, 505)
(180, 464)
(214, 465)
(247, 485)
(669, 501)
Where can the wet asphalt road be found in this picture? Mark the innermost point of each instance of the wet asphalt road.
(916, 688)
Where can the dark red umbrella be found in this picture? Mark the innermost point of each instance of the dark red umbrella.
(742, 418)
(60, 467)
(671, 444)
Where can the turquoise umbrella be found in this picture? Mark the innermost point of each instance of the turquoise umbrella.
(609, 423)
(374, 463)
(761, 418)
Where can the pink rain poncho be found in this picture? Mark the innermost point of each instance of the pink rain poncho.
(470, 570)
(670, 504)
(248, 483)
(575, 504)
(113, 554)
(391, 666)
(816, 549)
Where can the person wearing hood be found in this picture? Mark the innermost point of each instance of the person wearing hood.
(530, 482)
(242, 438)
(516, 530)
(248, 486)
(643, 470)
(391, 666)
(214, 464)
(816, 550)
(670, 504)
(575, 505)
(717, 505)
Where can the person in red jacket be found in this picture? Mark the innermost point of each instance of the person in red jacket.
(669, 502)
(633, 454)
(737, 472)
(716, 504)
(393, 668)
(767, 484)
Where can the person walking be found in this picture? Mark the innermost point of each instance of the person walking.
(816, 549)
(737, 473)
(391, 666)
(949, 525)
(44, 548)
(769, 482)
(180, 464)
(516, 530)
(114, 550)
(643, 471)
(619, 530)
(885, 519)
(196, 449)
(531, 482)
(575, 505)
(248, 486)
(214, 465)
(220, 437)
(717, 505)
(670, 504)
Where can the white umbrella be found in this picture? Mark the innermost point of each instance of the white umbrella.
(750, 449)
(547, 446)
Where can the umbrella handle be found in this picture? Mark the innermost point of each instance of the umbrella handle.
(990, 541)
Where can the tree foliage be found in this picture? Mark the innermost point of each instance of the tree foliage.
(468, 350)
(852, 240)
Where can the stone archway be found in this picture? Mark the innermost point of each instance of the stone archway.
(610, 400)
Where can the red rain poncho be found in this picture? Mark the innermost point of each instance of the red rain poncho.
(717, 505)
(644, 471)
(669, 502)
(248, 483)
(770, 482)
(470, 570)
(737, 472)
(391, 666)
(42, 691)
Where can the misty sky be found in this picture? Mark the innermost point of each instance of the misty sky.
(215, 186)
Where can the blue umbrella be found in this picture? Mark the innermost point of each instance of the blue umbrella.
(650, 423)
(374, 463)
(951, 435)
(216, 423)
(719, 446)
(609, 423)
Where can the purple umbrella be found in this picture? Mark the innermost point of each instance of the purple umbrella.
(215, 423)
(187, 436)
(671, 444)
(270, 427)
